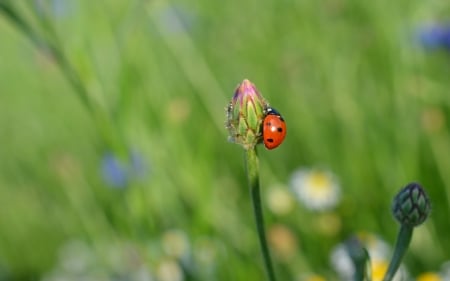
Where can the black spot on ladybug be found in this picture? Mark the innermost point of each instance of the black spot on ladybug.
(268, 124)
(279, 129)
(269, 140)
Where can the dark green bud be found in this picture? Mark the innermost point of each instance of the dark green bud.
(411, 205)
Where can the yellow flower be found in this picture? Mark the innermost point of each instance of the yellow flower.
(429, 276)
(379, 268)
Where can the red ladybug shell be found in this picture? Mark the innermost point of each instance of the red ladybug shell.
(274, 129)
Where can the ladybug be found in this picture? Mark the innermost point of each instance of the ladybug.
(274, 128)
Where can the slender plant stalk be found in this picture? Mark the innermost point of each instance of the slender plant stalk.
(251, 160)
(46, 37)
(361, 260)
(53, 47)
(403, 239)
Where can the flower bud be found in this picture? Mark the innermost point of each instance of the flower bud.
(411, 205)
(245, 115)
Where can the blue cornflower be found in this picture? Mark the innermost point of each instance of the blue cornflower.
(114, 171)
(119, 173)
(435, 37)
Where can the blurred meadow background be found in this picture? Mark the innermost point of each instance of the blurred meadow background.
(124, 171)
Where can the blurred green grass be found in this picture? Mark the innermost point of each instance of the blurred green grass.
(359, 96)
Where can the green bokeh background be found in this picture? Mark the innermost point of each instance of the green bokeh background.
(359, 95)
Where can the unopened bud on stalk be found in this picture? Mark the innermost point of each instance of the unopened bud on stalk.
(245, 115)
(411, 205)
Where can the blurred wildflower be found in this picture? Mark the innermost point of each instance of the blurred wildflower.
(445, 270)
(59, 8)
(316, 189)
(312, 277)
(205, 250)
(435, 36)
(169, 270)
(66, 167)
(114, 171)
(328, 224)
(175, 243)
(142, 273)
(75, 257)
(433, 120)
(283, 242)
(178, 110)
(342, 263)
(379, 268)
(442, 275)
(109, 261)
(205, 253)
(123, 257)
(429, 276)
(379, 252)
(378, 248)
(118, 173)
(280, 201)
(245, 114)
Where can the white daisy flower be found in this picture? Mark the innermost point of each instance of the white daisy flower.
(316, 189)
(342, 263)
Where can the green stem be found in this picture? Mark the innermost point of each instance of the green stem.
(403, 239)
(54, 48)
(253, 182)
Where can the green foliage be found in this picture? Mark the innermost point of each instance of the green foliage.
(358, 94)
